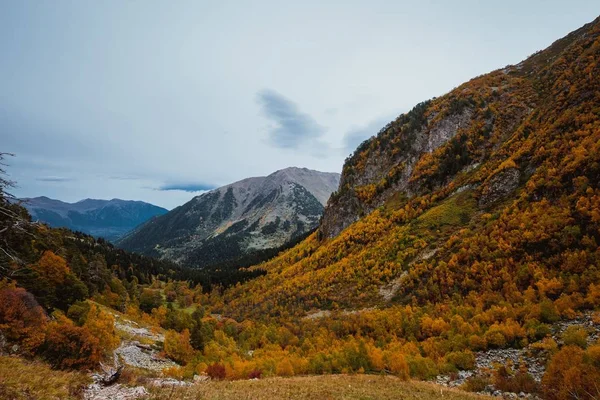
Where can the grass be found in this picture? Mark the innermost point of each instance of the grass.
(21, 379)
(454, 211)
(347, 387)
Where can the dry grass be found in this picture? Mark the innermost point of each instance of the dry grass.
(348, 387)
(20, 379)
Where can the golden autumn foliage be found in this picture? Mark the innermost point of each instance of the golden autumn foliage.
(573, 373)
(177, 346)
(52, 267)
(22, 320)
(101, 324)
(68, 346)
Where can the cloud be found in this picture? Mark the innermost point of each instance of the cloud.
(53, 179)
(291, 128)
(124, 177)
(187, 187)
(354, 137)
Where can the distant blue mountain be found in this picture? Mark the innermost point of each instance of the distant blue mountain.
(109, 219)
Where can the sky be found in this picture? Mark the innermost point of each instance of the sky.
(162, 100)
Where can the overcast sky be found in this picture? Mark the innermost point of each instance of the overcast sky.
(158, 100)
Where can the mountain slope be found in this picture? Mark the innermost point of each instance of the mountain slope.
(484, 197)
(101, 218)
(234, 220)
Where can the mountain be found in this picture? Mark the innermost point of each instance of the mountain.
(233, 221)
(485, 198)
(101, 218)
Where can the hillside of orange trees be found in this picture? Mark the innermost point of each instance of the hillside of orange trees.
(466, 231)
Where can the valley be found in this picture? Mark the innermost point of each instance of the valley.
(456, 256)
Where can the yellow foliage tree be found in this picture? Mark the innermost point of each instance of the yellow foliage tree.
(177, 346)
(285, 368)
(102, 325)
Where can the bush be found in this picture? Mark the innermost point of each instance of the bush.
(149, 299)
(68, 346)
(422, 368)
(284, 368)
(575, 336)
(216, 371)
(495, 339)
(464, 360)
(177, 346)
(398, 366)
(519, 382)
(102, 325)
(78, 312)
(22, 320)
(476, 383)
(255, 374)
(477, 343)
(572, 374)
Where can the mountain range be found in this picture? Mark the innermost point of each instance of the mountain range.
(109, 219)
(233, 221)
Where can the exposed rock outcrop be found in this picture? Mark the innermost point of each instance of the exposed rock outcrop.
(500, 186)
(394, 153)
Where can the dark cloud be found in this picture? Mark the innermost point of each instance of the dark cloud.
(53, 179)
(188, 187)
(292, 128)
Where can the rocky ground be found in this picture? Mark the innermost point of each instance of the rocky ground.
(139, 348)
(486, 361)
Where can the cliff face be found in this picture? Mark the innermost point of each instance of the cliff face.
(387, 166)
(458, 133)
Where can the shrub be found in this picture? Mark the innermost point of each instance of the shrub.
(102, 325)
(519, 382)
(571, 374)
(216, 371)
(575, 336)
(22, 320)
(78, 312)
(464, 360)
(422, 368)
(398, 365)
(149, 299)
(477, 343)
(284, 368)
(177, 346)
(70, 346)
(476, 383)
(255, 374)
(495, 338)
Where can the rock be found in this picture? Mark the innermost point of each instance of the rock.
(500, 186)
(133, 355)
(97, 391)
(168, 382)
(15, 348)
(201, 378)
(126, 326)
